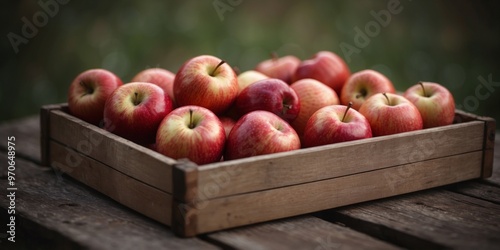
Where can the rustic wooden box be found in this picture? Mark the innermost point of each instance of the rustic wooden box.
(199, 199)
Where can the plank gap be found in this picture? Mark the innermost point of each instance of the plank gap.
(378, 231)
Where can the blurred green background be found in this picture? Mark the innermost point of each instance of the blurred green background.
(455, 43)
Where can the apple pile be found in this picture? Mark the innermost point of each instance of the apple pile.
(207, 113)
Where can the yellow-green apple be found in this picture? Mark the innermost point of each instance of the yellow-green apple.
(362, 85)
(390, 114)
(135, 110)
(206, 81)
(88, 93)
(248, 77)
(160, 77)
(435, 103)
(281, 68)
(313, 95)
(191, 132)
(335, 123)
(227, 123)
(272, 95)
(326, 67)
(258, 133)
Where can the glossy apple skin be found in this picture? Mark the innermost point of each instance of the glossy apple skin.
(202, 144)
(313, 95)
(326, 67)
(364, 84)
(272, 95)
(281, 68)
(248, 77)
(90, 106)
(228, 124)
(160, 77)
(258, 133)
(326, 126)
(194, 84)
(136, 119)
(397, 117)
(437, 106)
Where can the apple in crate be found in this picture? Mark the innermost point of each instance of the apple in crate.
(135, 110)
(390, 114)
(248, 77)
(88, 93)
(335, 123)
(435, 103)
(281, 68)
(258, 133)
(206, 81)
(272, 95)
(362, 85)
(158, 76)
(191, 132)
(326, 67)
(227, 123)
(313, 95)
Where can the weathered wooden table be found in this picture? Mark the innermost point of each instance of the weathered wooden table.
(56, 212)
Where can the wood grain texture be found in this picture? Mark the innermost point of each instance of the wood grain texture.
(27, 133)
(244, 209)
(55, 212)
(495, 176)
(125, 156)
(128, 191)
(304, 232)
(319, 163)
(478, 190)
(428, 219)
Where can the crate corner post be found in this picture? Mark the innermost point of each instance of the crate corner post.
(184, 208)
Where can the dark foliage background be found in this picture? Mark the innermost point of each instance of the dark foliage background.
(455, 43)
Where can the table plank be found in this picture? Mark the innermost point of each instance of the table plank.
(27, 133)
(303, 232)
(434, 218)
(60, 212)
(478, 190)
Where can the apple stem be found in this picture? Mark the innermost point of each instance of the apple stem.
(191, 125)
(274, 56)
(216, 67)
(423, 89)
(386, 97)
(286, 107)
(136, 99)
(88, 89)
(346, 110)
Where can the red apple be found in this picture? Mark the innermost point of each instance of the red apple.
(248, 77)
(227, 123)
(272, 95)
(435, 103)
(191, 132)
(362, 85)
(160, 77)
(281, 68)
(258, 133)
(326, 67)
(88, 93)
(313, 95)
(390, 114)
(206, 81)
(335, 123)
(135, 110)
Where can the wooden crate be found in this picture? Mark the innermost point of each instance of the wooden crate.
(199, 199)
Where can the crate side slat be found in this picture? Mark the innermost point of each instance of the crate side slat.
(232, 211)
(44, 131)
(330, 161)
(130, 192)
(127, 157)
